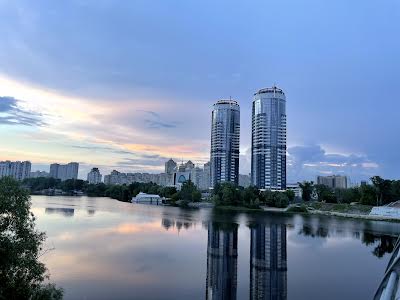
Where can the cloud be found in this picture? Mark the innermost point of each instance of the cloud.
(308, 161)
(143, 160)
(102, 148)
(12, 114)
(156, 122)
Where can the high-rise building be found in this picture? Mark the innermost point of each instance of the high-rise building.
(94, 176)
(64, 172)
(18, 170)
(170, 166)
(206, 179)
(225, 139)
(268, 262)
(222, 253)
(334, 181)
(268, 149)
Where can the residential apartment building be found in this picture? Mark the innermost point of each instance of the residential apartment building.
(64, 172)
(18, 170)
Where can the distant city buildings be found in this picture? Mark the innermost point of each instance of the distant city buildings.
(225, 140)
(38, 174)
(94, 176)
(268, 149)
(64, 172)
(18, 170)
(334, 181)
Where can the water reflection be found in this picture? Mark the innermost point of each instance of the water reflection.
(66, 212)
(168, 223)
(232, 256)
(268, 262)
(222, 253)
(385, 243)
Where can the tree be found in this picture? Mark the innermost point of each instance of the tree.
(382, 188)
(291, 195)
(22, 275)
(367, 195)
(325, 193)
(187, 190)
(307, 188)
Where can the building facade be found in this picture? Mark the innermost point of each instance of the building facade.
(18, 170)
(64, 172)
(268, 262)
(94, 176)
(268, 149)
(222, 253)
(170, 166)
(225, 140)
(334, 181)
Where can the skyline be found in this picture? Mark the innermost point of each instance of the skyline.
(122, 92)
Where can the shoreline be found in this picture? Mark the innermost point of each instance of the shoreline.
(285, 211)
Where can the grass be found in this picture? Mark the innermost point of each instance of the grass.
(341, 207)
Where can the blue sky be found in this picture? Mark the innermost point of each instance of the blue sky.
(128, 84)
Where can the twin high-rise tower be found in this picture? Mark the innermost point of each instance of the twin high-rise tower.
(225, 142)
(268, 140)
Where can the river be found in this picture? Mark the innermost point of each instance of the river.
(106, 249)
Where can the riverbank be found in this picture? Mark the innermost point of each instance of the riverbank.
(353, 211)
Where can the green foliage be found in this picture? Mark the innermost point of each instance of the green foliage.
(348, 195)
(275, 199)
(227, 194)
(22, 275)
(291, 195)
(187, 190)
(307, 188)
(325, 193)
(96, 190)
(367, 195)
(382, 189)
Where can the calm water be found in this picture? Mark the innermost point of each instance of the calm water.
(105, 249)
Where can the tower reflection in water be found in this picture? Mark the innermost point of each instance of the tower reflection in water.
(268, 261)
(222, 261)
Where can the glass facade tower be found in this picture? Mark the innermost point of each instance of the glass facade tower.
(225, 139)
(268, 149)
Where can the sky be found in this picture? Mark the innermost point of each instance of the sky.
(127, 85)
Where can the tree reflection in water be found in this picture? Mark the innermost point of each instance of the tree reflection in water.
(385, 243)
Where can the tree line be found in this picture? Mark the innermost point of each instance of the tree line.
(228, 194)
(189, 191)
(380, 192)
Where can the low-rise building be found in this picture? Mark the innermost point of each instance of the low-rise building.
(147, 199)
